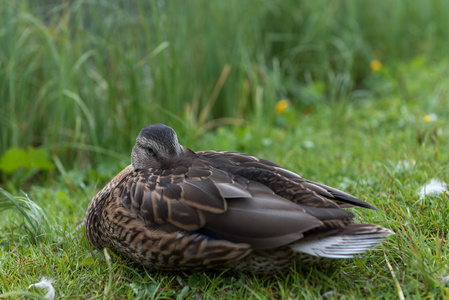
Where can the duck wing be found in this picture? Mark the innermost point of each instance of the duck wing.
(198, 198)
(282, 181)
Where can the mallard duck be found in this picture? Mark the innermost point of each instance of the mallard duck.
(175, 209)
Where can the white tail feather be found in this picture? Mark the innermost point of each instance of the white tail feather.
(343, 246)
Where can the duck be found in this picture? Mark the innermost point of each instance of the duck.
(175, 209)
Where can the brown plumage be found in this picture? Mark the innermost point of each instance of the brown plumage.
(175, 209)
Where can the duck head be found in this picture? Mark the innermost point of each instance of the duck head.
(156, 145)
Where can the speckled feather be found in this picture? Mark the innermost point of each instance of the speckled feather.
(174, 209)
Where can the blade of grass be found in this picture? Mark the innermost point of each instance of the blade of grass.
(19, 207)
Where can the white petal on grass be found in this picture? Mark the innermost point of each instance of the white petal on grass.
(308, 144)
(347, 183)
(403, 165)
(434, 187)
(329, 294)
(45, 284)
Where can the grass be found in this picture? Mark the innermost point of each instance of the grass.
(363, 161)
(81, 78)
(91, 72)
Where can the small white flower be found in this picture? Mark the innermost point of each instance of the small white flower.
(434, 187)
(45, 284)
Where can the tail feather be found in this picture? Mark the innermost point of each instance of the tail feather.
(356, 238)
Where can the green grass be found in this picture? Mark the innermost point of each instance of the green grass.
(80, 79)
(321, 144)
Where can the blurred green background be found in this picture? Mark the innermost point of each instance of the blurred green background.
(79, 79)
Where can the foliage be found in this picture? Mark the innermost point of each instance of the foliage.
(82, 77)
(20, 165)
(33, 159)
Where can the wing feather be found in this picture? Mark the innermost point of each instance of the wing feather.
(264, 220)
(281, 178)
(218, 204)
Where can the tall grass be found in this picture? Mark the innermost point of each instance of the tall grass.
(80, 78)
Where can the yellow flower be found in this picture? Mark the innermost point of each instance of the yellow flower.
(282, 106)
(375, 65)
(430, 118)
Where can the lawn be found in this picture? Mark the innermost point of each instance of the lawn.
(331, 92)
